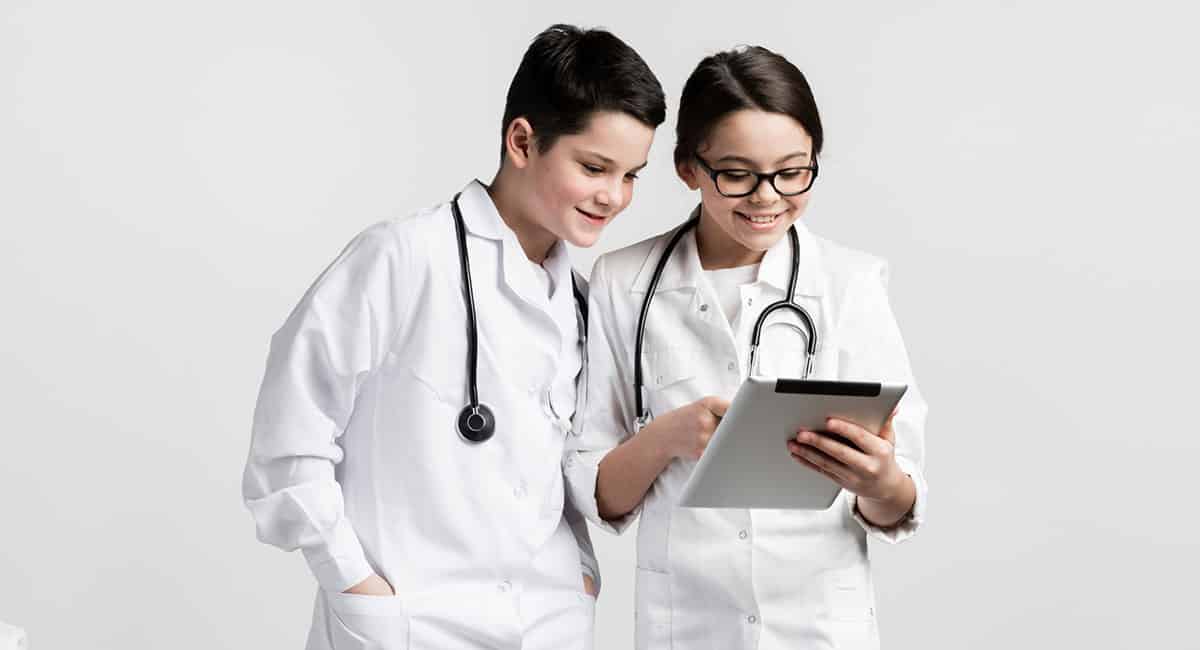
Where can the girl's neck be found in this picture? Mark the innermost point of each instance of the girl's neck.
(718, 250)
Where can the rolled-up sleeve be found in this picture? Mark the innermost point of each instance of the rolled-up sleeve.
(332, 340)
(874, 351)
(605, 403)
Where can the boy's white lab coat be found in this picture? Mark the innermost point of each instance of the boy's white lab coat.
(356, 459)
(730, 579)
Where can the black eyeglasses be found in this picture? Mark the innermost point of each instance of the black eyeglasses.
(735, 183)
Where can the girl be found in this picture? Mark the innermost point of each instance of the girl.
(749, 139)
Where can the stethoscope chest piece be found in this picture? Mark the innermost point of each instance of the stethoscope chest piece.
(476, 423)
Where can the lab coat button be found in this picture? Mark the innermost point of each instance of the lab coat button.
(703, 307)
(505, 586)
(732, 366)
(752, 619)
(743, 534)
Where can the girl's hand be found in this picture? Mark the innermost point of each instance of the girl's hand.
(685, 431)
(870, 471)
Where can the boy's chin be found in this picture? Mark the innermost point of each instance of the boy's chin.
(582, 239)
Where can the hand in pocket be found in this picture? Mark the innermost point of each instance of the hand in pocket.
(374, 585)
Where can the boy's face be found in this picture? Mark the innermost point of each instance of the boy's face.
(584, 180)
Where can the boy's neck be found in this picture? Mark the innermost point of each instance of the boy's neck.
(536, 241)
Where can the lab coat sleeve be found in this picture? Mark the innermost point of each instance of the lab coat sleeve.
(336, 335)
(874, 351)
(607, 408)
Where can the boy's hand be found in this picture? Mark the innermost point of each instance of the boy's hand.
(589, 586)
(372, 586)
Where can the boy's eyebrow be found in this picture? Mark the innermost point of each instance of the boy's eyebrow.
(751, 163)
(609, 161)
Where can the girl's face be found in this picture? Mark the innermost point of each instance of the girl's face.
(740, 230)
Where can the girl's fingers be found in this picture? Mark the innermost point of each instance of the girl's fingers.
(888, 432)
(836, 450)
(862, 438)
(820, 462)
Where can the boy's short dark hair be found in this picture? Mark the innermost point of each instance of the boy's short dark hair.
(568, 73)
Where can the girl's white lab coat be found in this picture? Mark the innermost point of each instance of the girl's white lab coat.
(733, 579)
(356, 459)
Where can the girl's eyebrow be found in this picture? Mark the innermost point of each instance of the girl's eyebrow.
(751, 163)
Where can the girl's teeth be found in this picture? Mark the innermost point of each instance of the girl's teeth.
(761, 219)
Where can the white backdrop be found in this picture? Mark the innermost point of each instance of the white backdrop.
(174, 175)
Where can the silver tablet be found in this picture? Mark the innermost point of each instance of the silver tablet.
(747, 463)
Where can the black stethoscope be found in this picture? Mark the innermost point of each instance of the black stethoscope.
(789, 302)
(476, 422)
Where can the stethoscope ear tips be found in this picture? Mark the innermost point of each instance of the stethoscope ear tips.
(476, 423)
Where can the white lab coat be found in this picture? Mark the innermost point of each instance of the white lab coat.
(356, 459)
(730, 579)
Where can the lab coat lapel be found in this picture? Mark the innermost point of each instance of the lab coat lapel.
(706, 305)
(682, 273)
(516, 271)
(483, 220)
(562, 298)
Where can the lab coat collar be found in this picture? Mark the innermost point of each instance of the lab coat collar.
(683, 270)
(776, 268)
(482, 219)
(479, 212)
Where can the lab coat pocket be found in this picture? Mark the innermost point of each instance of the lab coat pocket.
(445, 380)
(652, 615)
(442, 370)
(670, 365)
(851, 607)
(367, 622)
(667, 375)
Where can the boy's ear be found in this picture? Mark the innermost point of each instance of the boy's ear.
(687, 174)
(518, 142)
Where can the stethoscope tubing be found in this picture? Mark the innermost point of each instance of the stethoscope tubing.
(789, 302)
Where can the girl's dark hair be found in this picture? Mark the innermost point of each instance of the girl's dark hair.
(568, 73)
(743, 78)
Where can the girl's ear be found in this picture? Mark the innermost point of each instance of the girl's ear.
(687, 174)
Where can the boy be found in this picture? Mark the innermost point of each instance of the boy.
(422, 532)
